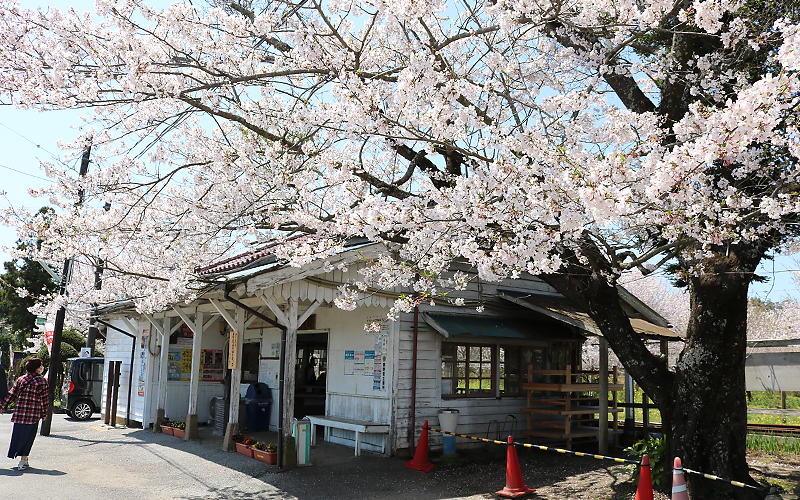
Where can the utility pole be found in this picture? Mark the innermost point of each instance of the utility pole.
(58, 327)
(91, 339)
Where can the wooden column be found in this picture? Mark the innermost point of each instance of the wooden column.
(237, 324)
(292, 322)
(603, 397)
(197, 341)
(162, 376)
(289, 383)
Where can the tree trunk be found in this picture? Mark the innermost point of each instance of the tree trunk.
(709, 419)
(702, 403)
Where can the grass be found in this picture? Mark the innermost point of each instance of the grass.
(772, 444)
(759, 399)
(772, 399)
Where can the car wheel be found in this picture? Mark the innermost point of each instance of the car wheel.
(82, 410)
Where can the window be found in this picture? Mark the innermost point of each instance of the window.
(251, 354)
(468, 370)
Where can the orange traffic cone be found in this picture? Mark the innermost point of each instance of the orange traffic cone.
(645, 489)
(420, 460)
(515, 488)
(678, 483)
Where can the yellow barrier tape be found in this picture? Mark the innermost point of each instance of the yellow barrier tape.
(717, 478)
(540, 447)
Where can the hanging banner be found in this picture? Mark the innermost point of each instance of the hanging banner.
(49, 329)
(233, 351)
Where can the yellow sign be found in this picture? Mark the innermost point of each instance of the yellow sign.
(233, 351)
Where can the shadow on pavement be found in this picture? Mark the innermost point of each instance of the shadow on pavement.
(31, 470)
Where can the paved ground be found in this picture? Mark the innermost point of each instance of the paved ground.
(84, 460)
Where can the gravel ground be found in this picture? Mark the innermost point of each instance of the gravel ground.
(85, 460)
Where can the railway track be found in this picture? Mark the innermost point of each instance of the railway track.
(780, 430)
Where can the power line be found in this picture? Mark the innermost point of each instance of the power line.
(38, 146)
(26, 173)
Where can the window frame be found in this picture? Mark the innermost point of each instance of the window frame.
(454, 343)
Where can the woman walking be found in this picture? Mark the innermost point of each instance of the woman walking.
(30, 393)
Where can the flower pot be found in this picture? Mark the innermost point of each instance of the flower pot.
(244, 450)
(271, 457)
(165, 429)
(179, 433)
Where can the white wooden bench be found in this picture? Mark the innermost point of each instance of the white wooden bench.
(350, 424)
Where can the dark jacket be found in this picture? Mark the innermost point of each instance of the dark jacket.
(3, 382)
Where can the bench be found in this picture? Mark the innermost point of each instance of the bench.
(350, 424)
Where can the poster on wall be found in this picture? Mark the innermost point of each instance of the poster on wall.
(142, 373)
(211, 365)
(145, 336)
(174, 364)
(186, 365)
(349, 366)
(379, 327)
(358, 363)
(369, 363)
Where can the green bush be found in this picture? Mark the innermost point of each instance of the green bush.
(655, 448)
(67, 351)
(73, 338)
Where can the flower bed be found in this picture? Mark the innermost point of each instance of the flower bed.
(265, 453)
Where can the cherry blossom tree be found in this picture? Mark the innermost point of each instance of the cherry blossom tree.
(574, 140)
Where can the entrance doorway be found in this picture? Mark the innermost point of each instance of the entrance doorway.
(311, 374)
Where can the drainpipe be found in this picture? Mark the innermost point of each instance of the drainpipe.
(226, 294)
(413, 384)
(130, 374)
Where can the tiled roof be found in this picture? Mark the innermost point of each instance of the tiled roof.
(247, 259)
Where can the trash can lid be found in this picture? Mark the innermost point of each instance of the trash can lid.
(259, 391)
(448, 410)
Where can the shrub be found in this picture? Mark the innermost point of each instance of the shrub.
(655, 448)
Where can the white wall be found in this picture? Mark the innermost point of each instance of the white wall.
(772, 371)
(482, 417)
(118, 347)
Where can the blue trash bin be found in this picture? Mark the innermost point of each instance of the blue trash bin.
(258, 400)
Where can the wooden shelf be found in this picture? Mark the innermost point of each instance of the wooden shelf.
(566, 406)
(569, 387)
(575, 432)
(574, 410)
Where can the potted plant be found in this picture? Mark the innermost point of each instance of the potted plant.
(179, 429)
(166, 427)
(241, 447)
(265, 452)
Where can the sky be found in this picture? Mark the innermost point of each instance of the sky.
(29, 137)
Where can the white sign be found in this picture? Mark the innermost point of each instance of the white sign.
(86, 352)
(49, 329)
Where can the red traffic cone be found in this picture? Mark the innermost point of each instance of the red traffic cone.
(678, 483)
(515, 488)
(645, 489)
(420, 460)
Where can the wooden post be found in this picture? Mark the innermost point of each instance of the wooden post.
(645, 415)
(630, 411)
(109, 390)
(162, 376)
(614, 380)
(197, 341)
(236, 381)
(117, 369)
(603, 398)
(289, 458)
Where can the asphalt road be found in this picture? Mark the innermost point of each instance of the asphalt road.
(86, 460)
